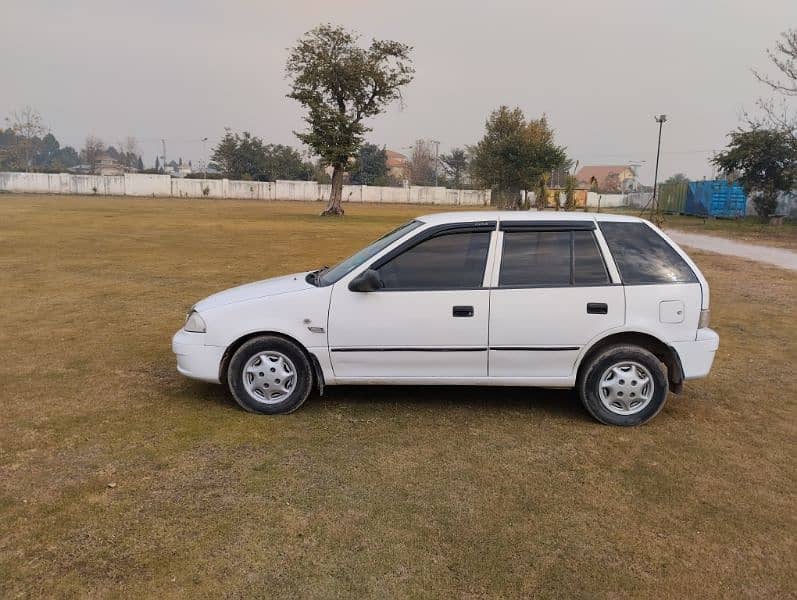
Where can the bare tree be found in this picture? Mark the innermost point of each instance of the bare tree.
(784, 57)
(420, 166)
(28, 128)
(777, 113)
(92, 149)
(128, 148)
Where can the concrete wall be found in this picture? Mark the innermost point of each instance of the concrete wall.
(139, 184)
(606, 200)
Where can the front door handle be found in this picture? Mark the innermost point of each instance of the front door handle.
(462, 311)
(597, 308)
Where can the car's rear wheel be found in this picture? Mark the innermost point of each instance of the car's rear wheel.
(623, 385)
(269, 375)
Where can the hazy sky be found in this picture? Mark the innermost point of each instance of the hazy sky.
(600, 70)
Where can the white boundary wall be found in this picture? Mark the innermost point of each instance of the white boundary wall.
(606, 200)
(139, 184)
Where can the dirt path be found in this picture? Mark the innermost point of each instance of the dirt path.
(767, 254)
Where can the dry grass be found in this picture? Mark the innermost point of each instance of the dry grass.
(367, 492)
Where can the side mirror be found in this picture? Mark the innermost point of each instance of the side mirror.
(367, 281)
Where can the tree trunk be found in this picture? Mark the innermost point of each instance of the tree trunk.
(334, 208)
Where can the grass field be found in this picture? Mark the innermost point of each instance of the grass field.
(366, 492)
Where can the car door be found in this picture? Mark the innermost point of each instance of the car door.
(552, 293)
(430, 317)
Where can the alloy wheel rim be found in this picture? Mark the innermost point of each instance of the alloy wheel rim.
(269, 377)
(626, 388)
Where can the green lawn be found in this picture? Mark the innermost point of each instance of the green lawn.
(366, 492)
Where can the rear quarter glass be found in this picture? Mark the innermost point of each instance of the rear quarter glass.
(644, 257)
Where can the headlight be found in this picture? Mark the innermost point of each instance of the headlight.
(194, 323)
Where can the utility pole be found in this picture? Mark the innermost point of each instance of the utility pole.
(660, 119)
(436, 154)
(205, 157)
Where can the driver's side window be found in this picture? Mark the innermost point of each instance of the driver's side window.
(447, 261)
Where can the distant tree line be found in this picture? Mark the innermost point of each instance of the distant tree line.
(26, 144)
(246, 156)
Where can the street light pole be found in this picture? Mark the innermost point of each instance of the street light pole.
(660, 119)
(205, 157)
(436, 154)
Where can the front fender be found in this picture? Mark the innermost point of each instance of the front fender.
(301, 315)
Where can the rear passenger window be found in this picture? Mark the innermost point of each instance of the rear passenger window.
(643, 256)
(551, 258)
(588, 265)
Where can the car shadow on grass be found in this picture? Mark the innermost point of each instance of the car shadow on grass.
(548, 402)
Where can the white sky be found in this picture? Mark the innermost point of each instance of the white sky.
(600, 70)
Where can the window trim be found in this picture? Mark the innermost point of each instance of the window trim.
(431, 233)
(547, 226)
(496, 283)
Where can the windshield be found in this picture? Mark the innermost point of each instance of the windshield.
(332, 275)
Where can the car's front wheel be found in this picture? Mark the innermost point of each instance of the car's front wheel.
(623, 385)
(269, 375)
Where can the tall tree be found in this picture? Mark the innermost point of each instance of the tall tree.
(47, 153)
(515, 152)
(284, 162)
(246, 156)
(779, 114)
(421, 163)
(341, 84)
(571, 183)
(456, 165)
(128, 150)
(370, 167)
(677, 178)
(764, 161)
(92, 149)
(224, 155)
(29, 129)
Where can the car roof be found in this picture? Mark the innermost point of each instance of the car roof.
(472, 216)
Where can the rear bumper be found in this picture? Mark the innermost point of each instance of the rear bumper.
(697, 356)
(194, 358)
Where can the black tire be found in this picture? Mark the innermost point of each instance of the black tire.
(590, 378)
(302, 370)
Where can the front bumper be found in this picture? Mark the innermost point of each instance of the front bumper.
(697, 356)
(194, 358)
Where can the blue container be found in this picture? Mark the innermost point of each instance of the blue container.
(715, 198)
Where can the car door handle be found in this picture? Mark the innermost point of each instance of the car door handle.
(597, 308)
(462, 311)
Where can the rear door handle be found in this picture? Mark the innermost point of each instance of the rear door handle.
(597, 308)
(462, 311)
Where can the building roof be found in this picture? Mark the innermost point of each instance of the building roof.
(599, 172)
(395, 159)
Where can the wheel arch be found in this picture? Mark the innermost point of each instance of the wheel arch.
(660, 349)
(318, 374)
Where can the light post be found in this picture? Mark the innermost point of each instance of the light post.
(205, 157)
(436, 154)
(660, 119)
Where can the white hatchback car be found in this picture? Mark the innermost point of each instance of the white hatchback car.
(604, 303)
